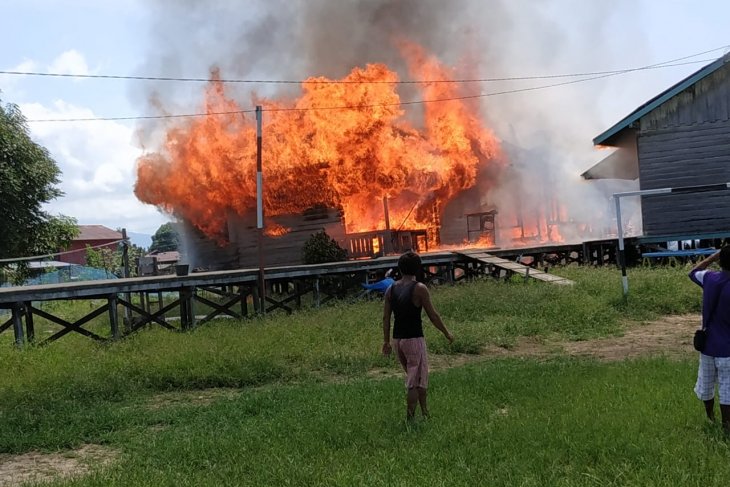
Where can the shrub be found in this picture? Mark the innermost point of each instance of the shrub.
(320, 248)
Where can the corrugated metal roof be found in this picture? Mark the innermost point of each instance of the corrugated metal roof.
(97, 232)
(605, 137)
(165, 257)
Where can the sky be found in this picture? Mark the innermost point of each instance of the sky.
(98, 159)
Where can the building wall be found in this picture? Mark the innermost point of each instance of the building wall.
(686, 156)
(285, 249)
(240, 251)
(686, 142)
(79, 257)
(708, 100)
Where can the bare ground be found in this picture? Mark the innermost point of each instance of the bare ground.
(670, 336)
(38, 467)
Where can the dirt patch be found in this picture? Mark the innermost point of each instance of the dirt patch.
(39, 467)
(200, 397)
(670, 337)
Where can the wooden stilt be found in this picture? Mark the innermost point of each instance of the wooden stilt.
(113, 316)
(29, 328)
(18, 323)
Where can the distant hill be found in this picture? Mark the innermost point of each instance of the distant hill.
(140, 239)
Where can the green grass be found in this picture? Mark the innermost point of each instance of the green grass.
(504, 422)
(305, 413)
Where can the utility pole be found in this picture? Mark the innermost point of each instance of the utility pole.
(125, 271)
(260, 209)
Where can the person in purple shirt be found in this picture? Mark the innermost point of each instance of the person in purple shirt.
(715, 358)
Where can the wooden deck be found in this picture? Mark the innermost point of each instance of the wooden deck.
(102, 288)
(232, 292)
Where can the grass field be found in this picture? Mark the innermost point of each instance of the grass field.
(293, 400)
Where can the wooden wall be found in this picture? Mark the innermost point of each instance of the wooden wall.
(686, 142)
(285, 249)
(200, 252)
(686, 156)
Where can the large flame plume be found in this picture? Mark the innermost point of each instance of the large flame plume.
(316, 152)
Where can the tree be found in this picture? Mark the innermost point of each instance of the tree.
(104, 258)
(320, 248)
(29, 178)
(165, 239)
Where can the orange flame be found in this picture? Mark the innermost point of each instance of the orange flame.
(316, 152)
(275, 230)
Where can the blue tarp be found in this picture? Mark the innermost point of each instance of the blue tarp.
(680, 253)
(73, 273)
(380, 286)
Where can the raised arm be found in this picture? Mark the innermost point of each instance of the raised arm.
(705, 263)
(387, 311)
(424, 297)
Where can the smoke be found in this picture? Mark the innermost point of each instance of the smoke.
(547, 133)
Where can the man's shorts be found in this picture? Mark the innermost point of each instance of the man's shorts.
(713, 370)
(412, 356)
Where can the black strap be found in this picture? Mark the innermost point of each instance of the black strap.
(714, 308)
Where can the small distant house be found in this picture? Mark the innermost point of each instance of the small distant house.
(679, 139)
(97, 236)
(158, 263)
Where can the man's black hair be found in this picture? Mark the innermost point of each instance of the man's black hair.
(410, 264)
(725, 258)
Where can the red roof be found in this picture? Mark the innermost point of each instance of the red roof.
(97, 232)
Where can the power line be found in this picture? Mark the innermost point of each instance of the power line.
(465, 97)
(360, 107)
(46, 256)
(317, 81)
(347, 107)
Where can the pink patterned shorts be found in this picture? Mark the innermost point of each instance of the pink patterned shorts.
(412, 356)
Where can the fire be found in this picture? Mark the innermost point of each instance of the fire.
(315, 152)
(275, 230)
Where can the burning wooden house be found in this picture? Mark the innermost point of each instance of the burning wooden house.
(284, 237)
(376, 181)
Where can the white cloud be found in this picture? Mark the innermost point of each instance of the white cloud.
(10, 84)
(69, 62)
(97, 160)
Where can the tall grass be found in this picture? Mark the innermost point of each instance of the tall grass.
(505, 421)
(499, 423)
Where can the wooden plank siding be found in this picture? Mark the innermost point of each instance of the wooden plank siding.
(285, 249)
(686, 142)
(691, 155)
(705, 101)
